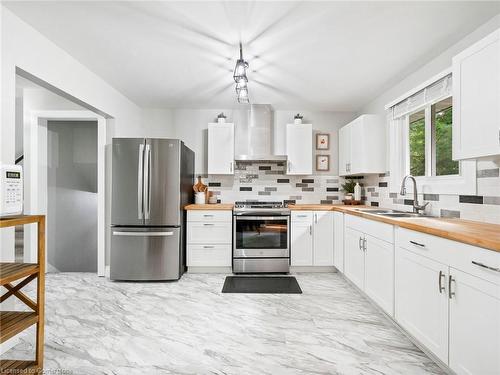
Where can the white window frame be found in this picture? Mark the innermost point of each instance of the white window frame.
(464, 183)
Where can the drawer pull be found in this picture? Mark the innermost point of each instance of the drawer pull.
(417, 244)
(301, 215)
(450, 292)
(485, 266)
(208, 247)
(441, 287)
(208, 225)
(208, 215)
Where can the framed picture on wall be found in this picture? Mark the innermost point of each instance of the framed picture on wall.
(323, 163)
(322, 141)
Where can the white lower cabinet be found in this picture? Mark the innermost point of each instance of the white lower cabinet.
(354, 261)
(323, 238)
(421, 300)
(312, 238)
(369, 262)
(379, 272)
(474, 325)
(301, 252)
(209, 238)
(338, 240)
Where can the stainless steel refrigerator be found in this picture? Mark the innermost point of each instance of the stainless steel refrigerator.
(152, 182)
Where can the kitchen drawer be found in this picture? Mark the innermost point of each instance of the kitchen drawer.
(455, 254)
(210, 216)
(209, 233)
(209, 256)
(382, 231)
(302, 216)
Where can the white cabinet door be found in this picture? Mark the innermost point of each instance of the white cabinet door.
(301, 252)
(299, 149)
(379, 272)
(476, 99)
(474, 325)
(338, 240)
(323, 238)
(421, 307)
(354, 257)
(221, 148)
(344, 150)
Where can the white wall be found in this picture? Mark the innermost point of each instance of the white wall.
(24, 47)
(433, 67)
(190, 125)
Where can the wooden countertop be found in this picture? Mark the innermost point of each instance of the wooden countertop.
(470, 232)
(216, 207)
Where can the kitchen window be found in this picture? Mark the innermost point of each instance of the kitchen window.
(420, 126)
(430, 140)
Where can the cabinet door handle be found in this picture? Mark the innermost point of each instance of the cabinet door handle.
(450, 292)
(310, 230)
(316, 218)
(364, 244)
(441, 287)
(485, 266)
(231, 167)
(359, 243)
(417, 244)
(288, 164)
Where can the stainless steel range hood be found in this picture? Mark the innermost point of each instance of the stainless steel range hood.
(254, 135)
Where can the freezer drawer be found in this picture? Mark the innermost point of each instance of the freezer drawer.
(145, 253)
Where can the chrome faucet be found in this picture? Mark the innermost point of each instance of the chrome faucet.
(416, 206)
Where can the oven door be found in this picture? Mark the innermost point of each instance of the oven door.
(261, 236)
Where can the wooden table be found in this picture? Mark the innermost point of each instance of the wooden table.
(14, 322)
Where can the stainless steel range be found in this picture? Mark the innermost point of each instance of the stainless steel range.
(261, 242)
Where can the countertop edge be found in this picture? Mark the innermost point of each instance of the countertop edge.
(209, 207)
(412, 224)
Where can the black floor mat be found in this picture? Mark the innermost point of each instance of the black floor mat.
(261, 284)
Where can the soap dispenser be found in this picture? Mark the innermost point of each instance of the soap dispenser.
(357, 192)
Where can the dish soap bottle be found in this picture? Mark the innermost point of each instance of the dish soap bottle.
(357, 192)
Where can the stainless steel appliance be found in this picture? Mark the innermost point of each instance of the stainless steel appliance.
(152, 182)
(261, 238)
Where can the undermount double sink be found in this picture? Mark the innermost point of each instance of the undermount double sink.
(390, 213)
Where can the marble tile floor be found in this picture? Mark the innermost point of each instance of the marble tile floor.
(95, 326)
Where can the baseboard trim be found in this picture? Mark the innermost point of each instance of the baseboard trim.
(313, 269)
(210, 270)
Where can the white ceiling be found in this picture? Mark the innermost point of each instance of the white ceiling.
(308, 55)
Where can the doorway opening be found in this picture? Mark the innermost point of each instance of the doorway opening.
(71, 196)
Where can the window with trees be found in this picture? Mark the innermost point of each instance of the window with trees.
(430, 140)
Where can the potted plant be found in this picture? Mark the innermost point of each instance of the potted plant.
(348, 188)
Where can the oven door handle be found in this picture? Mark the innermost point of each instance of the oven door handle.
(261, 218)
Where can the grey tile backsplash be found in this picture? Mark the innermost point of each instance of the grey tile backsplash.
(266, 181)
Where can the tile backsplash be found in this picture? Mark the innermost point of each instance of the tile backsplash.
(482, 207)
(267, 181)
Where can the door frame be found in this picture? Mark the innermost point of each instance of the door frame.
(35, 175)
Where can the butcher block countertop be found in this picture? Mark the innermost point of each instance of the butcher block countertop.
(217, 207)
(470, 232)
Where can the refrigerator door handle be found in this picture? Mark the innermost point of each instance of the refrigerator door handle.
(143, 234)
(147, 181)
(140, 184)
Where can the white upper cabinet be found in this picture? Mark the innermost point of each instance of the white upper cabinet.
(221, 148)
(476, 100)
(362, 146)
(299, 145)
